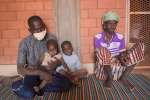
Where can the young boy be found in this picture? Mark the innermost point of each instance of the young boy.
(73, 63)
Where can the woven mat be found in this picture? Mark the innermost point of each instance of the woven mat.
(92, 89)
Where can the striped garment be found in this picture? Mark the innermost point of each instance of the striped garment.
(104, 56)
(135, 55)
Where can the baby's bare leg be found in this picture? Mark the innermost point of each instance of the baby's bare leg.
(43, 83)
(77, 75)
(80, 73)
(67, 74)
(46, 78)
(37, 88)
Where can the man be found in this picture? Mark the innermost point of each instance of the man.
(30, 52)
(109, 45)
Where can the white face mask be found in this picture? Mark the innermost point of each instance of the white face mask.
(40, 35)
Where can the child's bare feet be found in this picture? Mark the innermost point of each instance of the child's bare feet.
(38, 91)
(36, 88)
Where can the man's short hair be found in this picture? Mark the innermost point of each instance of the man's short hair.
(34, 18)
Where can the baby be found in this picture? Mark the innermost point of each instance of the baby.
(75, 71)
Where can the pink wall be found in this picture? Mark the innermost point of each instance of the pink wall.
(13, 25)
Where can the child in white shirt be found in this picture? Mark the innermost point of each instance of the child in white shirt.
(72, 61)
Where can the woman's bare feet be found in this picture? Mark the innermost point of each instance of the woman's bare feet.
(127, 84)
(107, 84)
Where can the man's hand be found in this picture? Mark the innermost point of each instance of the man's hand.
(31, 70)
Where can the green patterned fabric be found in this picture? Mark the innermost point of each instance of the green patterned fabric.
(92, 89)
(111, 15)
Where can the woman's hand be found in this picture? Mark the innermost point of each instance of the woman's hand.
(124, 58)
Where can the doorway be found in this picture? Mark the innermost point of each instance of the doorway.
(67, 22)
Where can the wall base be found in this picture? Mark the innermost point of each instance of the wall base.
(10, 70)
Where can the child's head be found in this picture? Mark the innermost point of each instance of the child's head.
(67, 48)
(52, 46)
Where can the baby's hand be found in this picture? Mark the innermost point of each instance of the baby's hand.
(52, 65)
(65, 66)
(67, 69)
(58, 59)
(54, 59)
(59, 56)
